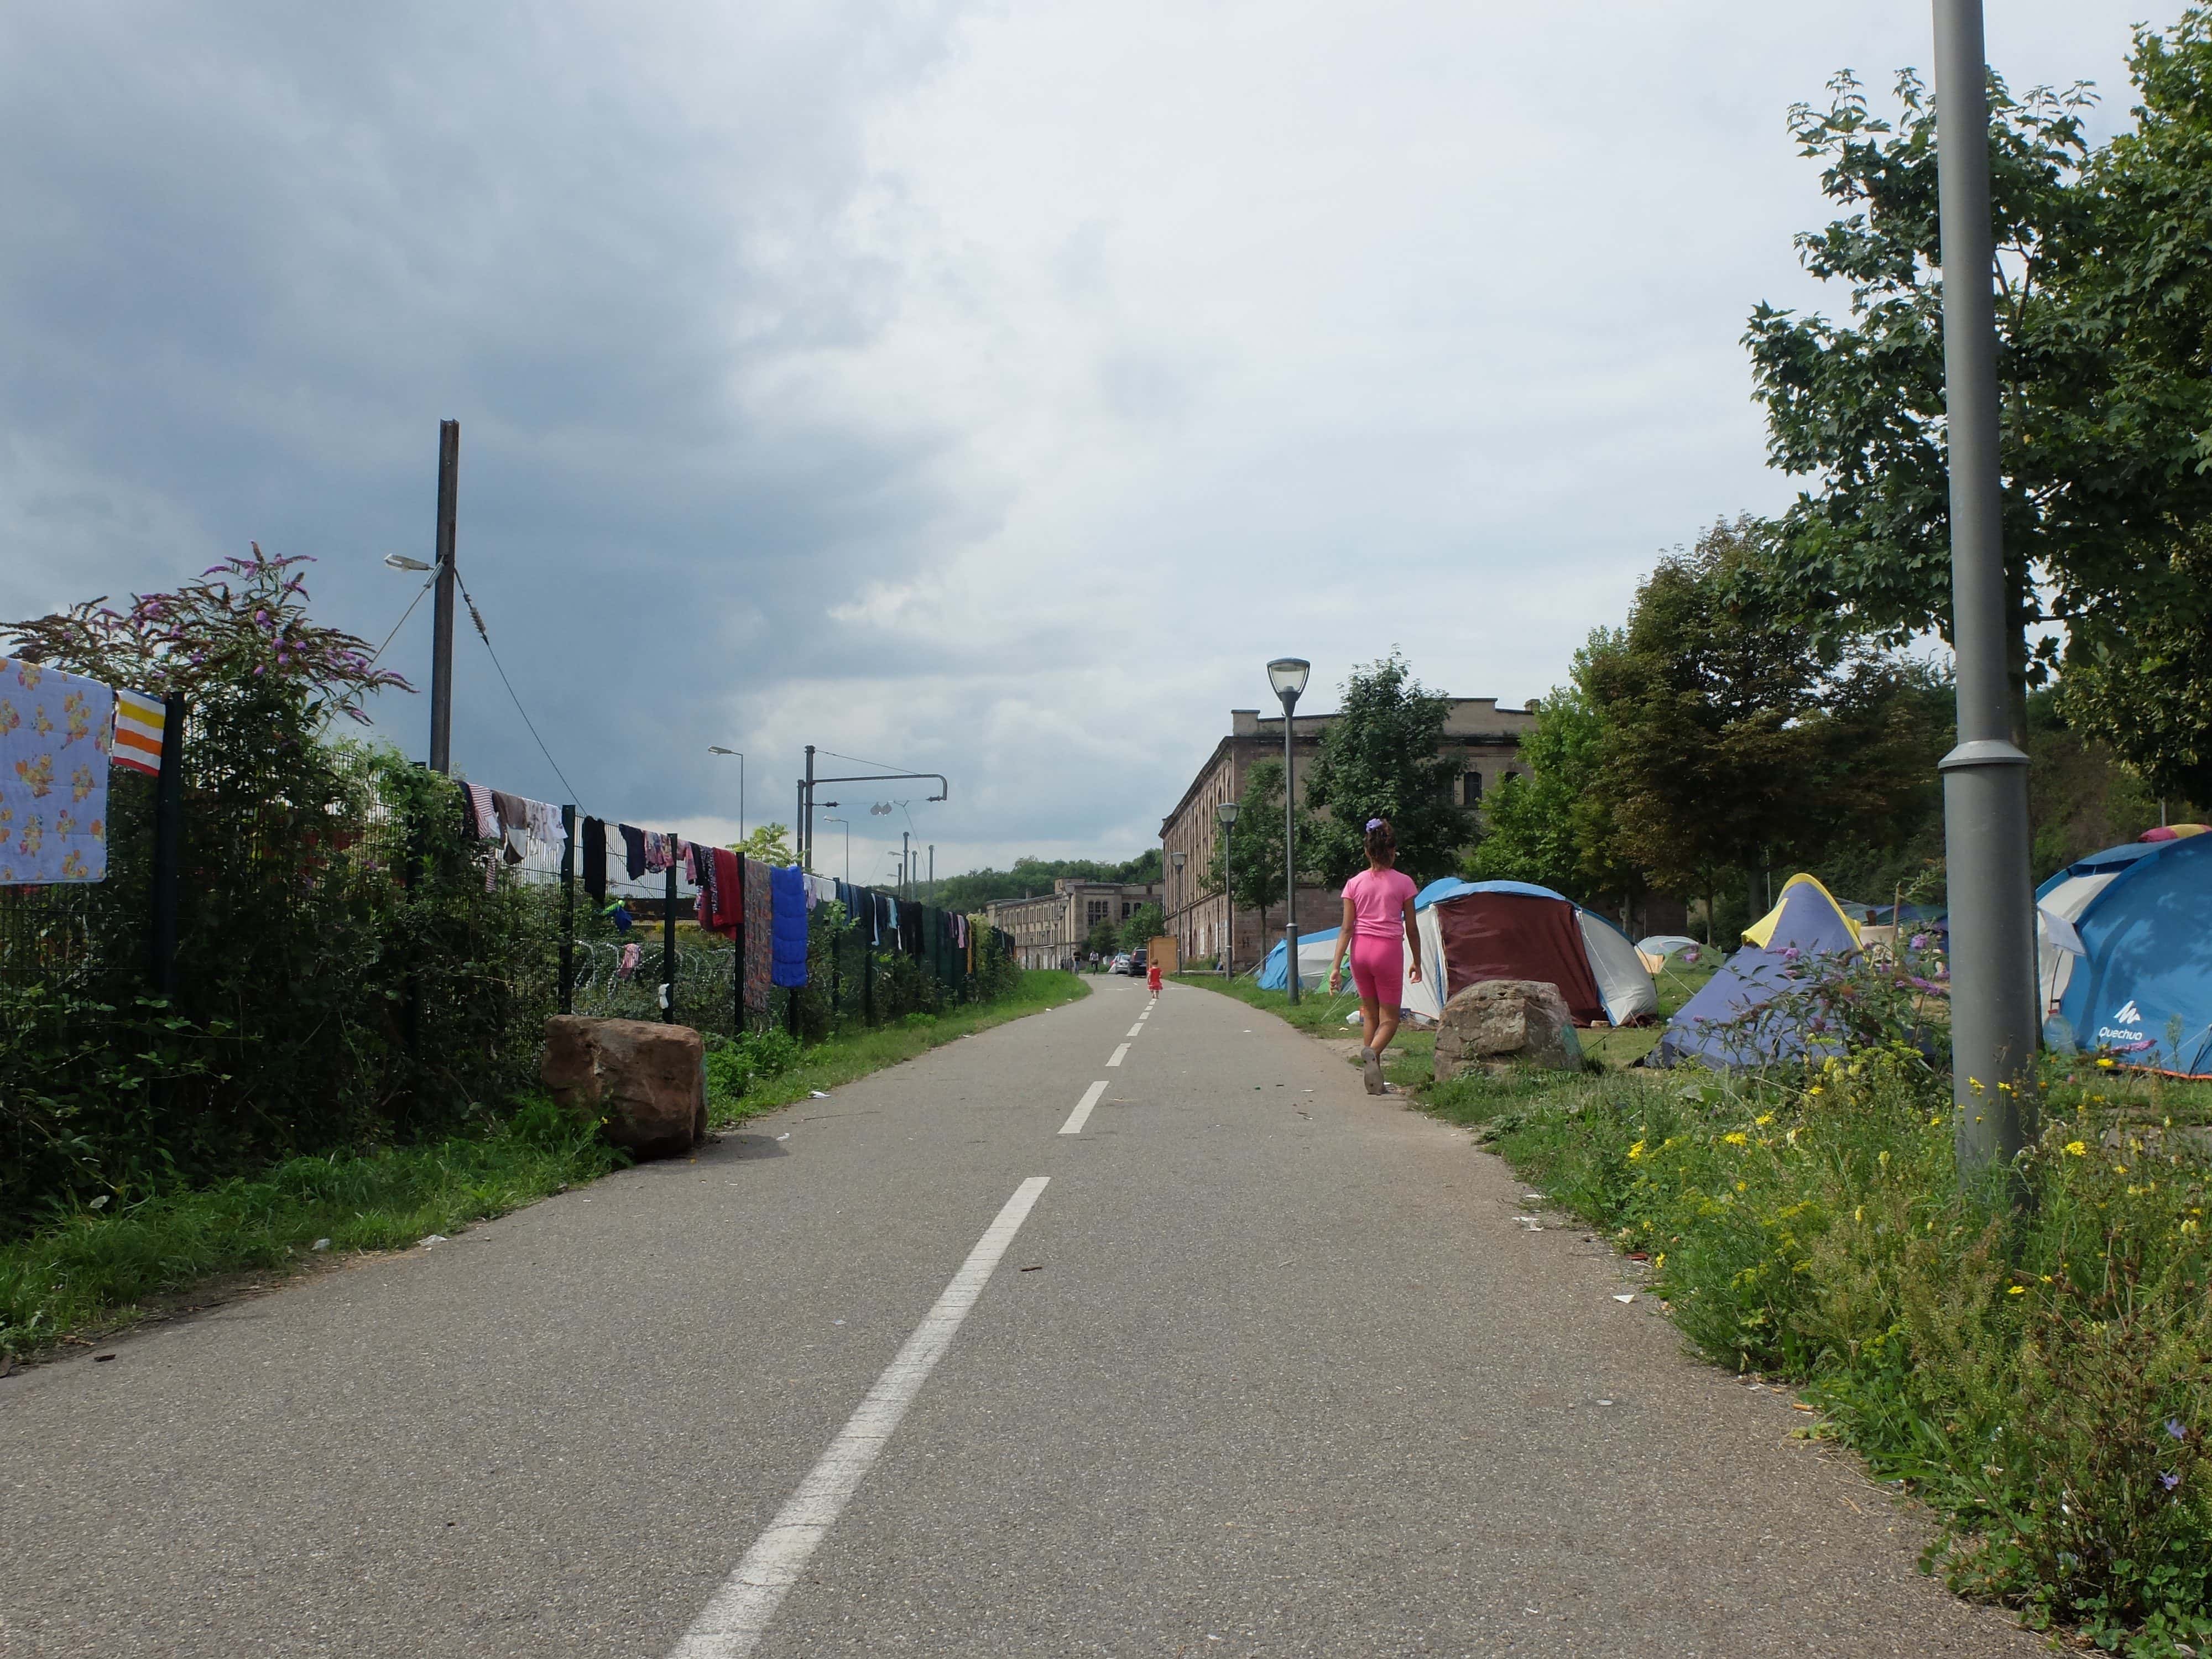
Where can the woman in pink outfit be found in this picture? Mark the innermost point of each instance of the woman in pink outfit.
(1378, 915)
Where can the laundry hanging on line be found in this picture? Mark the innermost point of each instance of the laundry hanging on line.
(55, 730)
(788, 926)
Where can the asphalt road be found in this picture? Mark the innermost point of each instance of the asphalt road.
(1265, 1367)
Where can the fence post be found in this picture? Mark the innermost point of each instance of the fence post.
(868, 966)
(737, 1013)
(168, 816)
(567, 908)
(668, 941)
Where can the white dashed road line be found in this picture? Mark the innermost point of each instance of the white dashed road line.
(1137, 1027)
(734, 1621)
(1081, 1115)
(1118, 1052)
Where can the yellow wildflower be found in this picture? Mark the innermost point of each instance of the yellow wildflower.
(2106, 1063)
(1737, 1137)
(1762, 1120)
(2076, 1149)
(2016, 1290)
(1636, 1151)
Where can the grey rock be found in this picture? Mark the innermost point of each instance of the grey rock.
(1522, 1020)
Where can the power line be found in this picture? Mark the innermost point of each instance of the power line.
(889, 766)
(484, 633)
(403, 616)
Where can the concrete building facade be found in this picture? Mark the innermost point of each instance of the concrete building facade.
(1049, 929)
(1484, 741)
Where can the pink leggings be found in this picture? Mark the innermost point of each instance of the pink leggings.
(1378, 967)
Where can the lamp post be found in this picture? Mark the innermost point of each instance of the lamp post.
(717, 748)
(1288, 676)
(1226, 812)
(1994, 1025)
(1182, 923)
(848, 847)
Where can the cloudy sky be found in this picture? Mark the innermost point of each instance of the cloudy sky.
(985, 389)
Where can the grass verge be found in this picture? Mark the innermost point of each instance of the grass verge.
(793, 1073)
(2042, 1377)
(97, 1270)
(2039, 1376)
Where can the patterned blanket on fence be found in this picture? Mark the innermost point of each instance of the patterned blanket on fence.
(54, 734)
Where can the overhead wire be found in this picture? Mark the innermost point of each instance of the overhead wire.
(484, 633)
(403, 616)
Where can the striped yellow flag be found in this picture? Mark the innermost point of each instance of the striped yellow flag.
(138, 722)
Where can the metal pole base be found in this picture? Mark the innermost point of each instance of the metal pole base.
(1995, 1027)
(1291, 957)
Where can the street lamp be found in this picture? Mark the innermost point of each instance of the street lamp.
(1288, 676)
(848, 846)
(1176, 859)
(1227, 813)
(1994, 1014)
(717, 748)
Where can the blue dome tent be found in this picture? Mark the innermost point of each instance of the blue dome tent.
(2140, 985)
(1807, 924)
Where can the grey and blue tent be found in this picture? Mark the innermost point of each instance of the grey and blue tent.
(2125, 954)
(1722, 1025)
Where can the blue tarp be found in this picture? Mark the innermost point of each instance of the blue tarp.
(2144, 990)
(1450, 887)
(1809, 927)
(786, 893)
(1272, 975)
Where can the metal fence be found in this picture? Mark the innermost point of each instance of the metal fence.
(117, 939)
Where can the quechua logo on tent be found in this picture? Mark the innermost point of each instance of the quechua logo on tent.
(2126, 1025)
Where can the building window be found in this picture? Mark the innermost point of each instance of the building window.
(1098, 912)
(1470, 788)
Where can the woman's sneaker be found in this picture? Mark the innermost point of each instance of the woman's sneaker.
(1372, 1063)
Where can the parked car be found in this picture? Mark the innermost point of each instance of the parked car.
(1137, 964)
(1120, 964)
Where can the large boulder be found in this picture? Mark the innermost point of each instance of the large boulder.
(647, 1080)
(1523, 1020)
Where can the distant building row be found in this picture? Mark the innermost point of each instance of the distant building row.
(1049, 929)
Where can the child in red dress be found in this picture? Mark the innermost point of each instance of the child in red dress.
(1152, 979)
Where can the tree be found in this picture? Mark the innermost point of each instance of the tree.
(1145, 925)
(1860, 407)
(770, 843)
(1381, 757)
(2139, 651)
(1030, 877)
(2106, 395)
(1104, 937)
(1249, 857)
(1733, 737)
(1553, 826)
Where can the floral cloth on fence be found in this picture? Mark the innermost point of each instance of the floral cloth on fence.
(55, 729)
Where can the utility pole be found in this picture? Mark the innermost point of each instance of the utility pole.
(906, 864)
(932, 872)
(1994, 1027)
(441, 646)
(806, 834)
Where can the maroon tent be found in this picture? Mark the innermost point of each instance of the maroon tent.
(1517, 936)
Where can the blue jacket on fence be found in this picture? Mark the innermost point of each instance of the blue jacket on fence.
(787, 893)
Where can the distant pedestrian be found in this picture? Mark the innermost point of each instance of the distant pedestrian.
(1378, 930)
(1152, 979)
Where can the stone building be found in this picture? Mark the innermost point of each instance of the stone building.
(1483, 739)
(1048, 929)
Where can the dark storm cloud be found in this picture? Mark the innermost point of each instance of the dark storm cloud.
(256, 253)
